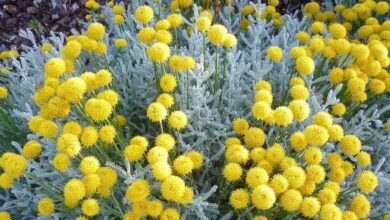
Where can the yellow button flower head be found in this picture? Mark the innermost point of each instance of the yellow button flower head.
(291, 200)
(170, 214)
(350, 144)
(360, 205)
(172, 188)
(89, 136)
(144, 14)
(3, 92)
(120, 42)
(103, 78)
(69, 144)
(98, 109)
(91, 183)
(162, 25)
(337, 31)
(296, 176)
(45, 206)
(283, 116)
(74, 189)
(256, 176)
(168, 82)
(196, 157)
(32, 149)
(107, 134)
(71, 50)
(203, 23)
(96, 31)
(237, 154)
(118, 9)
(146, 35)
(6, 181)
(232, 172)
(316, 135)
(48, 129)
(363, 158)
(163, 36)
(118, 19)
(90, 207)
(217, 34)
(302, 36)
(89, 165)
(158, 52)
(367, 181)
(185, 3)
(138, 190)
(175, 20)
(310, 206)
(178, 120)
(254, 137)
(300, 109)
(279, 183)
(298, 141)
(72, 90)
(239, 198)
(46, 47)
(157, 154)
(330, 212)
(13, 164)
(240, 126)
(156, 112)
(161, 170)
(263, 197)
(72, 127)
(261, 110)
(61, 161)
(304, 65)
(230, 41)
(382, 8)
(166, 141)
(54, 67)
(166, 100)
(275, 53)
(183, 165)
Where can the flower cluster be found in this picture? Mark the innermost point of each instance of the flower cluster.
(201, 110)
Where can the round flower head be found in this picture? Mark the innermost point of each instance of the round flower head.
(256, 176)
(6, 181)
(298, 141)
(261, 110)
(69, 144)
(72, 89)
(162, 25)
(163, 36)
(304, 65)
(146, 35)
(183, 165)
(175, 20)
(330, 212)
(118, 19)
(275, 53)
(263, 197)
(161, 170)
(350, 144)
(296, 176)
(71, 50)
(232, 172)
(98, 109)
(237, 154)
(134, 152)
(172, 188)
(107, 134)
(168, 82)
(300, 109)
(196, 157)
(90, 207)
(323, 119)
(157, 154)
(279, 183)
(239, 199)
(339, 109)
(110, 96)
(283, 116)
(45, 206)
(240, 126)
(120, 42)
(230, 41)
(367, 181)
(178, 120)
(96, 31)
(203, 23)
(158, 52)
(138, 190)
(170, 214)
(300, 92)
(74, 190)
(316, 135)
(89, 165)
(254, 137)
(336, 75)
(32, 149)
(156, 112)
(61, 161)
(217, 34)
(360, 205)
(263, 85)
(310, 206)
(337, 31)
(363, 158)
(291, 200)
(144, 14)
(54, 67)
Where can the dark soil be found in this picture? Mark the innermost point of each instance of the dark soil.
(41, 16)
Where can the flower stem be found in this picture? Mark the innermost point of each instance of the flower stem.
(216, 76)
(188, 89)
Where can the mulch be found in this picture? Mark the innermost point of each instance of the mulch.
(41, 16)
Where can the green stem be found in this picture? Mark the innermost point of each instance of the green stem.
(224, 74)
(204, 51)
(155, 74)
(176, 41)
(216, 70)
(188, 89)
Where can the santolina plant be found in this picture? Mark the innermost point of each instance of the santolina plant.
(201, 110)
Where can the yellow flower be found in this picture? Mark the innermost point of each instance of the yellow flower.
(230, 41)
(291, 200)
(263, 95)
(330, 212)
(183, 165)
(61, 161)
(146, 35)
(69, 144)
(237, 154)
(134, 152)
(89, 136)
(72, 127)
(91, 183)
(240, 126)
(254, 137)
(107, 134)
(196, 157)
(283, 116)
(350, 144)
(203, 23)
(72, 90)
(170, 214)
(310, 206)
(172, 188)
(279, 183)
(120, 42)
(239, 199)
(90, 207)
(98, 109)
(232, 172)
(316, 135)
(96, 31)
(46, 47)
(360, 205)
(118, 9)
(138, 190)
(327, 196)
(304, 65)
(54, 67)
(323, 119)
(178, 120)
(363, 158)
(89, 165)
(296, 176)
(162, 25)
(275, 53)
(336, 75)
(175, 20)
(263, 197)
(256, 176)
(302, 36)
(144, 14)
(45, 206)
(275, 154)
(158, 52)
(154, 207)
(298, 141)
(74, 190)
(71, 50)
(118, 19)
(261, 110)
(161, 170)
(6, 181)
(337, 31)
(32, 149)
(300, 109)
(367, 181)
(217, 34)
